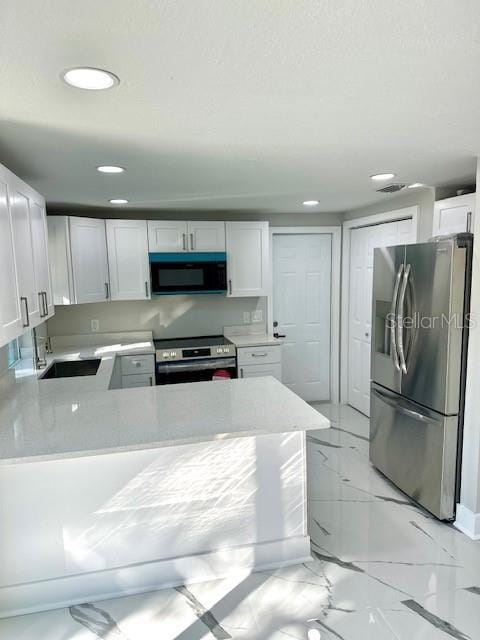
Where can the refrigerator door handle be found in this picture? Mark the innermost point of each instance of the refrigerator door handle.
(396, 404)
(401, 304)
(394, 318)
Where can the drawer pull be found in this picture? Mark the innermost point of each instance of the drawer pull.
(259, 355)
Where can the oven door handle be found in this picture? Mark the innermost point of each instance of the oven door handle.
(196, 365)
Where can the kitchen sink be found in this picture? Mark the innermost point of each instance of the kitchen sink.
(72, 368)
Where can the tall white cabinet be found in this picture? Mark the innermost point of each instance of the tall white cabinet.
(247, 259)
(127, 249)
(26, 292)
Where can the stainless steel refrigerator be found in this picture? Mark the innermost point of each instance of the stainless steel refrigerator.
(421, 297)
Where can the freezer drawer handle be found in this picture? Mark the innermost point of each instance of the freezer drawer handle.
(393, 314)
(401, 303)
(396, 404)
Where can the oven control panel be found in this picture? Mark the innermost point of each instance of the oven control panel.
(190, 354)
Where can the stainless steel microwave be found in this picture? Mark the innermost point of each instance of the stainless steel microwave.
(177, 273)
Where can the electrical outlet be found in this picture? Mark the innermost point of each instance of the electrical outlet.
(246, 317)
(95, 325)
(257, 316)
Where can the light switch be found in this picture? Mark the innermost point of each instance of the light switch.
(246, 317)
(95, 325)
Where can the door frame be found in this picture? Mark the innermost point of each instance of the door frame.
(348, 226)
(336, 236)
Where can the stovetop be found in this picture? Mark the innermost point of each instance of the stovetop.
(186, 343)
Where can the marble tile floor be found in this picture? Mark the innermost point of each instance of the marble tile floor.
(382, 569)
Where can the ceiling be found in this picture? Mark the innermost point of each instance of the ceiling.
(241, 105)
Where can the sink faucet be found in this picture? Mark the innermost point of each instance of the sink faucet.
(38, 344)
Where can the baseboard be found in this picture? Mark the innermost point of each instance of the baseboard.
(55, 593)
(468, 522)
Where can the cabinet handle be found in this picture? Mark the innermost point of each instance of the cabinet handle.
(151, 381)
(191, 241)
(230, 287)
(27, 324)
(41, 304)
(259, 355)
(241, 372)
(107, 291)
(45, 298)
(184, 238)
(146, 289)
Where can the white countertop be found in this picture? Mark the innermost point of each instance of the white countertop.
(71, 417)
(255, 340)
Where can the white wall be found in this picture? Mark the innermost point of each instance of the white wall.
(424, 198)
(166, 316)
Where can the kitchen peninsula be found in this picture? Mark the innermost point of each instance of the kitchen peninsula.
(109, 492)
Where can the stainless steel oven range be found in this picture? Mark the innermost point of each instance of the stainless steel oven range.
(195, 359)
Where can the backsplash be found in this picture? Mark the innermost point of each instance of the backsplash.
(166, 317)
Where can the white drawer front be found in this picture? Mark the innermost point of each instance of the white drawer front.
(261, 370)
(259, 355)
(138, 380)
(138, 364)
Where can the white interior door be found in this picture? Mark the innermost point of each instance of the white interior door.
(362, 243)
(302, 280)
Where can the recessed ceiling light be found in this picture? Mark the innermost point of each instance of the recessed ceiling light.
(107, 168)
(118, 201)
(415, 185)
(382, 176)
(90, 78)
(310, 203)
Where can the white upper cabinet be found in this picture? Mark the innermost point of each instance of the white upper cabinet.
(30, 297)
(247, 259)
(25, 293)
(172, 236)
(166, 236)
(11, 324)
(127, 245)
(89, 260)
(38, 221)
(452, 214)
(60, 255)
(206, 236)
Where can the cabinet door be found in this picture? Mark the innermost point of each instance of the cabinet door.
(10, 317)
(40, 257)
(247, 258)
(206, 236)
(261, 370)
(451, 215)
(127, 245)
(60, 257)
(22, 241)
(166, 236)
(89, 260)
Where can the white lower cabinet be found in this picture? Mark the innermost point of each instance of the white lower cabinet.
(137, 371)
(138, 380)
(257, 362)
(127, 248)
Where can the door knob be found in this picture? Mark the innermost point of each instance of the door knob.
(279, 335)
